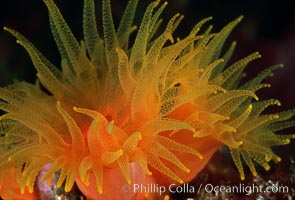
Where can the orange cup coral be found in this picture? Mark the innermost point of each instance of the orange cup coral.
(9, 187)
(154, 112)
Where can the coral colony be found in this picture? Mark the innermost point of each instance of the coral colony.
(148, 111)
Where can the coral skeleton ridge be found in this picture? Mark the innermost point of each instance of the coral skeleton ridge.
(158, 105)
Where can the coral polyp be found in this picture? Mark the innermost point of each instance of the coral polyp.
(152, 111)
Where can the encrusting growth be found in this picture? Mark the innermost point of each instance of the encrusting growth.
(152, 104)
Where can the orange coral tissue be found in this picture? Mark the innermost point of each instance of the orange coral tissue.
(152, 112)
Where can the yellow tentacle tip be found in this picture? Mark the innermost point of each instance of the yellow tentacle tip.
(180, 181)
(254, 174)
(257, 54)
(31, 189)
(75, 109)
(267, 167)
(187, 170)
(138, 135)
(200, 156)
(278, 159)
(170, 38)
(99, 189)
(240, 18)
(128, 179)
(256, 97)
(22, 190)
(120, 152)
(134, 28)
(68, 188)
(242, 176)
(286, 141)
(272, 117)
(177, 14)
(267, 158)
(118, 50)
